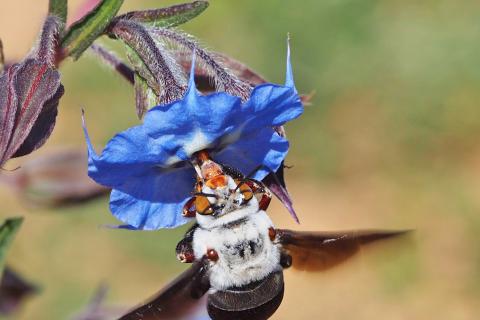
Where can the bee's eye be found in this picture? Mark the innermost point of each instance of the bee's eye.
(203, 206)
(246, 192)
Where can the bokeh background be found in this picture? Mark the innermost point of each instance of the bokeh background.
(391, 140)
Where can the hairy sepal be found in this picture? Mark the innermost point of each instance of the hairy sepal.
(167, 17)
(155, 64)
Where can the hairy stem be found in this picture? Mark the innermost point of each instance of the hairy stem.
(113, 61)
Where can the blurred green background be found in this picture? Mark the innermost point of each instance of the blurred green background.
(391, 140)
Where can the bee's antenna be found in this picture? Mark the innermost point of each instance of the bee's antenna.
(206, 194)
(248, 176)
(195, 166)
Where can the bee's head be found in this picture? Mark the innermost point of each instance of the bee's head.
(220, 195)
(217, 193)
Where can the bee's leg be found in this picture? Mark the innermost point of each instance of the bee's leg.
(184, 251)
(265, 200)
(285, 259)
(201, 281)
(184, 248)
(259, 188)
(189, 208)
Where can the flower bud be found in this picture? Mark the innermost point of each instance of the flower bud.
(29, 95)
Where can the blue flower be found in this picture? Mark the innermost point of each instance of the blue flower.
(148, 168)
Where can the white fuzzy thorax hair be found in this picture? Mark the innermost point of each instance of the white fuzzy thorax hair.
(241, 239)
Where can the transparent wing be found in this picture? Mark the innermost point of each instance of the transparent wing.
(318, 251)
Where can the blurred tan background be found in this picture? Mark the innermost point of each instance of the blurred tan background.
(391, 140)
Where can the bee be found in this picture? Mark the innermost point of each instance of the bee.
(238, 255)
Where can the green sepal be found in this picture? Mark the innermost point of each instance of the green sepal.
(84, 32)
(167, 17)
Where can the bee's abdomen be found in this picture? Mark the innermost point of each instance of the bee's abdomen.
(254, 301)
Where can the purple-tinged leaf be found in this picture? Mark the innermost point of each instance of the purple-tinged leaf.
(157, 60)
(275, 181)
(8, 106)
(55, 179)
(111, 60)
(223, 79)
(48, 41)
(167, 17)
(85, 31)
(13, 292)
(42, 127)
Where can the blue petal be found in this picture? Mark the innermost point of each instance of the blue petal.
(172, 133)
(190, 125)
(264, 147)
(130, 153)
(154, 200)
(272, 105)
(289, 73)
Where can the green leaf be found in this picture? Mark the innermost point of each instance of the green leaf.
(167, 17)
(58, 8)
(82, 34)
(7, 232)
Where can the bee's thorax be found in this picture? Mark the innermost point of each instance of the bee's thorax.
(245, 251)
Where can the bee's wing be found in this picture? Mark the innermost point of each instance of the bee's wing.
(318, 251)
(178, 299)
